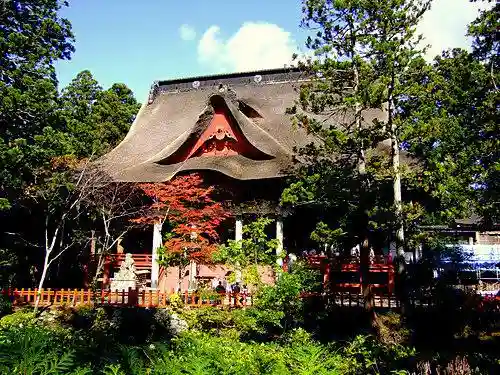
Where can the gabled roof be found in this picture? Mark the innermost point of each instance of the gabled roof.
(178, 114)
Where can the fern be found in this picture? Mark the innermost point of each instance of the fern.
(132, 360)
(113, 370)
(81, 371)
(57, 365)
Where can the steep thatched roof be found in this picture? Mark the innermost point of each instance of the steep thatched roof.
(178, 112)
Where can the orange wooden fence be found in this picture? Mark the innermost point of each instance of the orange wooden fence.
(139, 298)
(143, 298)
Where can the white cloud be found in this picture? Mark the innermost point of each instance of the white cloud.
(445, 25)
(262, 45)
(256, 45)
(187, 32)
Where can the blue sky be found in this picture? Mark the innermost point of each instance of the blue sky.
(139, 41)
(136, 42)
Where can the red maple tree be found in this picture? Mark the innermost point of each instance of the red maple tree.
(186, 203)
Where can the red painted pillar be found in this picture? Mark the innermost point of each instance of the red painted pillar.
(106, 273)
(391, 280)
(326, 275)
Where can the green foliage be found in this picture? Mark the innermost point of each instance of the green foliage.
(253, 250)
(364, 49)
(218, 342)
(39, 125)
(97, 119)
(32, 38)
(5, 306)
(18, 319)
(176, 301)
(282, 303)
(392, 330)
(33, 350)
(323, 235)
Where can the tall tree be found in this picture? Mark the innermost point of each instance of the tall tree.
(32, 37)
(60, 193)
(341, 95)
(364, 48)
(485, 31)
(97, 119)
(393, 47)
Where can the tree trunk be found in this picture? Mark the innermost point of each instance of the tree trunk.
(364, 248)
(398, 202)
(42, 280)
(400, 263)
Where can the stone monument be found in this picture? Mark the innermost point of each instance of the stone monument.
(126, 277)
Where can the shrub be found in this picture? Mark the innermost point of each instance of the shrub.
(391, 330)
(282, 302)
(19, 319)
(34, 350)
(5, 305)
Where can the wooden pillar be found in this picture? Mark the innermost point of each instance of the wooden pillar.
(192, 275)
(279, 237)
(238, 230)
(238, 236)
(157, 243)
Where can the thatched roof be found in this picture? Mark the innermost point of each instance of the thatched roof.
(178, 112)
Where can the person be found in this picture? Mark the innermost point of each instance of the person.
(220, 288)
(236, 291)
(221, 291)
(236, 287)
(244, 294)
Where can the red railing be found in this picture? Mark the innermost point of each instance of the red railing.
(376, 261)
(139, 298)
(142, 261)
(348, 264)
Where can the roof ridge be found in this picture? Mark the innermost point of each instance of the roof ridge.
(227, 75)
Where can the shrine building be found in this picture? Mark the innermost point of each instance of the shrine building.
(235, 130)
